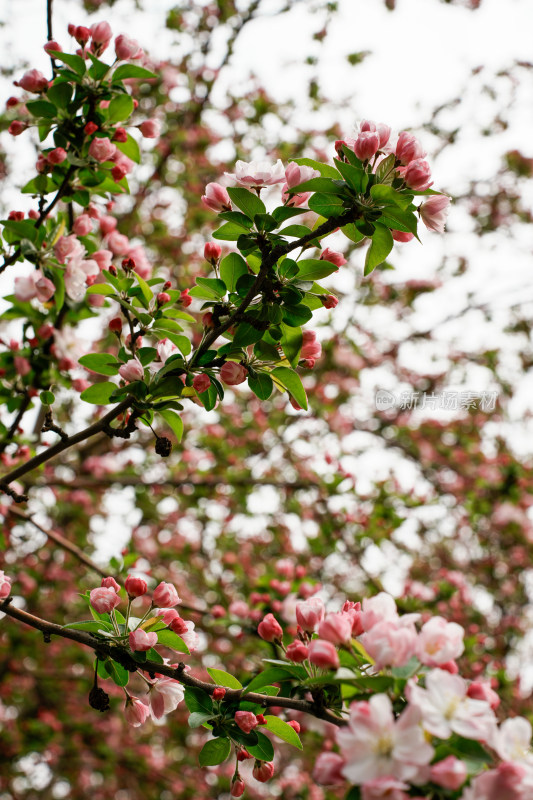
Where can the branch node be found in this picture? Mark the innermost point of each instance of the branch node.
(18, 498)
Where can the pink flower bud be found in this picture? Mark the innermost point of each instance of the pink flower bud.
(450, 773)
(402, 236)
(57, 156)
(127, 48)
(162, 298)
(117, 173)
(141, 641)
(102, 149)
(212, 252)
(329, 300)
(132, 370)
(246, 721)
(216, 198)
(366, 145)
(104, 599)
(481, 690)
(311, 348)
(333, 257)
(53, 45)
(135, 711)
(90, 128)
(434, 212)
(384, 134)
(168, 615)
(81, 34)
(263, 771)
(17, 127)
(103, 258)
(237, 787)
(165, 595)
(120, 135)
(408, 148)
(309, 614)
(336, 628)
(44, 287)
(297, 652)
(218, 694)
(417, 175)
(232, 374)
(110, 583)
(33, 81)
(5, 585)
(118, 243)
(323, 654)
(294, 725)
(328, 769)
(150, 128)
(201, 383)
(101, 33)
(269, 629)
(22, 365)
(185, 300)
(82, 225)
(135, 587)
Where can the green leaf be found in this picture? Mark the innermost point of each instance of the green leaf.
(120, 107)
(295, 316)
(40, 108)
(174, 421)
(327, 205)
(101, 288)
(99, 393)
(262, 385)
(264, 749)
(313, 269)
(246, 334)
(291, 343)
(231, 269)
(399, 219)
(21, 229)
(324, 185)
(76, 63)
(230, 232)
(145, 289)
(99, 68)
(224, 678)
(60, 94)
(198, 718)
(295, 231)
(214, 285)
(198, 700)
(283, 731)
(171, 639)
(209, 397)
(91, 625)
(283, 213)
(325, 170)
(354, 793)
(132, 71)
(47, 398)
(214, 752)
(385, 195)
(356, 177)
(247, 201)
(101, 363)
(380, 247)
(130, 148)
(352, 233)
(116, 672)
(385, 171)
(408, 670)
(238, 218)
(273, 675)
(291, 381)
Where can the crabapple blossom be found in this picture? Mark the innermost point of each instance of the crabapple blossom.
(82, 225)
(263, 771)
(450, 773)
(102, 149)
(110, 583)
(255, 174)
(101, 34)
(135, 587)
(439, 641)
(336, 628)
(136, 712)
(512, 741)
(323, 654)
(446, 708)
(417, 175)
(434, 211)
(17, 127)
(201, 382)
(34, 285)
(150, 128)
(408, 148)
(165, 696)
(269, 629)
(366, 145)
(237, 787)
(216, 198)
(5, 585)
(328, 769)
(104, 599)
(142, 641)
(233, 373)
(481, 690)
(329, 300)
(165, 595)
(126, 48)
(212, 252)
(246, 721)
(384, 789)
(311, 347)
(375, 744)
(509, 781)
(390, 643)
(333, 257)
(132, 370)
(297, 651)
(33, 81)
(57, 156)
(310, 613)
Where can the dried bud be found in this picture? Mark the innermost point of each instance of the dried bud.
(98, 699)
(163, 446)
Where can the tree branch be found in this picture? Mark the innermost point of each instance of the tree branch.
(179, 673)
(64, 444)
(89, 482)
